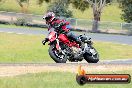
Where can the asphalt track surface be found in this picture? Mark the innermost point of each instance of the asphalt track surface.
(122, 39)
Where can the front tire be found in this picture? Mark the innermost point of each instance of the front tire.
(92, 58)
(55, 57)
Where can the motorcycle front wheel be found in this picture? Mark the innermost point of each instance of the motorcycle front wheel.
(58, 57)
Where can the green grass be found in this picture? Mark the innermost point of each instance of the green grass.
(110, 13)
(54, 80)
(22, 48)
(111, 51)
(12, 5)
(28, 48)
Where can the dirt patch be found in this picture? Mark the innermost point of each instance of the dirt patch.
(13, 70)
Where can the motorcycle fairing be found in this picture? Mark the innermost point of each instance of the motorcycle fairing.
(65, 40)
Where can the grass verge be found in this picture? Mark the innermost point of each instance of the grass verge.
(22, 48)
(28, 48)
(54, 80)
(112, 51)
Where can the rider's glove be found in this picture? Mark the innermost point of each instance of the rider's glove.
(44, 41)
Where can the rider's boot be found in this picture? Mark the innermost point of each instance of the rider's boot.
(79, 42)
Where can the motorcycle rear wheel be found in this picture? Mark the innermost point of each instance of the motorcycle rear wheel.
(55, 55)
(91, 58)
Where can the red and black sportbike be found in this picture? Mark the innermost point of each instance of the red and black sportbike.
(62, 49)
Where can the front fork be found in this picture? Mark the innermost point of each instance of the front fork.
(58, 47)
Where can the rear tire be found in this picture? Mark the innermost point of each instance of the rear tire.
(91, 58)
(55, 57)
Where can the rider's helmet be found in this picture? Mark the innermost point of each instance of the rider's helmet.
(49, 17)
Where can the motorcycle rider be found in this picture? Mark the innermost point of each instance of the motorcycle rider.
(59, 26)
